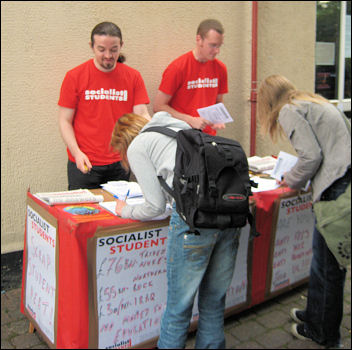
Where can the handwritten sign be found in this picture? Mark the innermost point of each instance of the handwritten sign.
(131, 286)
(40, 274)
(293, 241)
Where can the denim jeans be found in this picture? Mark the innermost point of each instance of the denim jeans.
(324, 309)
(97, 176)
(203, 263)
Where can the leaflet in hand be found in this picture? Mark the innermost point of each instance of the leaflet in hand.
(216, 114)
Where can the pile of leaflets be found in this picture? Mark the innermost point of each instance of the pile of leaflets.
(69, 197)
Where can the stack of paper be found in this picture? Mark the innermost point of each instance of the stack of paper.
(121, 188)
(74, 196)
(260, 164)
(264, 184)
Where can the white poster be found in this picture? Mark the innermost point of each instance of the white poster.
(40, 274)
(131, 287)
(293, 241)
(237, 293)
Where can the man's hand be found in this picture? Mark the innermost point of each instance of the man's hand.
(198, 123)
(83, 163)
(218, 126)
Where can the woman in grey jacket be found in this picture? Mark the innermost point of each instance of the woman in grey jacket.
(317, 131)
(203, 263)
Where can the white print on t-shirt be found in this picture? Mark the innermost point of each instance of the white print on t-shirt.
(202, 83)
(102, 94)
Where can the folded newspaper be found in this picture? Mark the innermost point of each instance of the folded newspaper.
(65, 197)
(260, 164)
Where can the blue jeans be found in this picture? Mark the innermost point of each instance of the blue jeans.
(203, 263)
(324, 309)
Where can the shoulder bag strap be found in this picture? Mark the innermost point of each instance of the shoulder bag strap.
(162, 130)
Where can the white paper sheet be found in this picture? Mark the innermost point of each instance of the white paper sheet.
(285, 162)
(216, 114)
(110, 206)
(264, 184)
(121, 188)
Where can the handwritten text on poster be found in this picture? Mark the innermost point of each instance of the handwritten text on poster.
(40, 274)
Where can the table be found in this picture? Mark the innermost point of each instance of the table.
(94, 280)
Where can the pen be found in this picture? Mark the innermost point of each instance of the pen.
(128, 192)
(115, 196)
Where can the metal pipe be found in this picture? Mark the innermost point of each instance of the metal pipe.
(253, 97)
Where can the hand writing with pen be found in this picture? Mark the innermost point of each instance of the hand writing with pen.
(120, 204)
(282, 182)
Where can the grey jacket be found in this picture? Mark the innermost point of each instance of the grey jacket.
(150, 155)
(321, 139)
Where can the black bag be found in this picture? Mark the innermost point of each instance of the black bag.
(211, 185)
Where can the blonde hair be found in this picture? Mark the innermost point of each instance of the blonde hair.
(274, 92)
(126, 129)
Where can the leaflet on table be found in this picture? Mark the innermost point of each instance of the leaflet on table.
(264, 184)
(215, 113)
(121, 188)
(110, 206)
(66, 197)
(261, 164)
(285, 162)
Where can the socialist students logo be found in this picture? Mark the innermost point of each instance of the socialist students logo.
(233, 197)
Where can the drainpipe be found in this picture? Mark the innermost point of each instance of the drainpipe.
(253, 97)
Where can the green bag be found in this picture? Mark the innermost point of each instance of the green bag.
(334, 223)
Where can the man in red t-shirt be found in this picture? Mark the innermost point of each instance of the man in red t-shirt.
(93, 96)
(195, 80)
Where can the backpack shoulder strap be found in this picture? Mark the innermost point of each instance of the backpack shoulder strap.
(168, 132)
(162, 130)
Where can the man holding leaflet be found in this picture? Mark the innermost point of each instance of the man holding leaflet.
(195, 80)
(93, 97)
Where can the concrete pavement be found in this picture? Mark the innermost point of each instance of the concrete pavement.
(265, 326)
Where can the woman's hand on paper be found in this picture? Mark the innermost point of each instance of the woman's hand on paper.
(282, 182)
(119, 206)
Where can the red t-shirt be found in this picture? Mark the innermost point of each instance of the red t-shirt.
(193, 84)
(99, 100)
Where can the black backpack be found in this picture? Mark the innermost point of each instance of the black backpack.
(211, 185)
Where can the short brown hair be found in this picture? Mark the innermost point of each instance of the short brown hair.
(209, 24)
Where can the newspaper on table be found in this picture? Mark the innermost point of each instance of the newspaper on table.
(69, 197)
